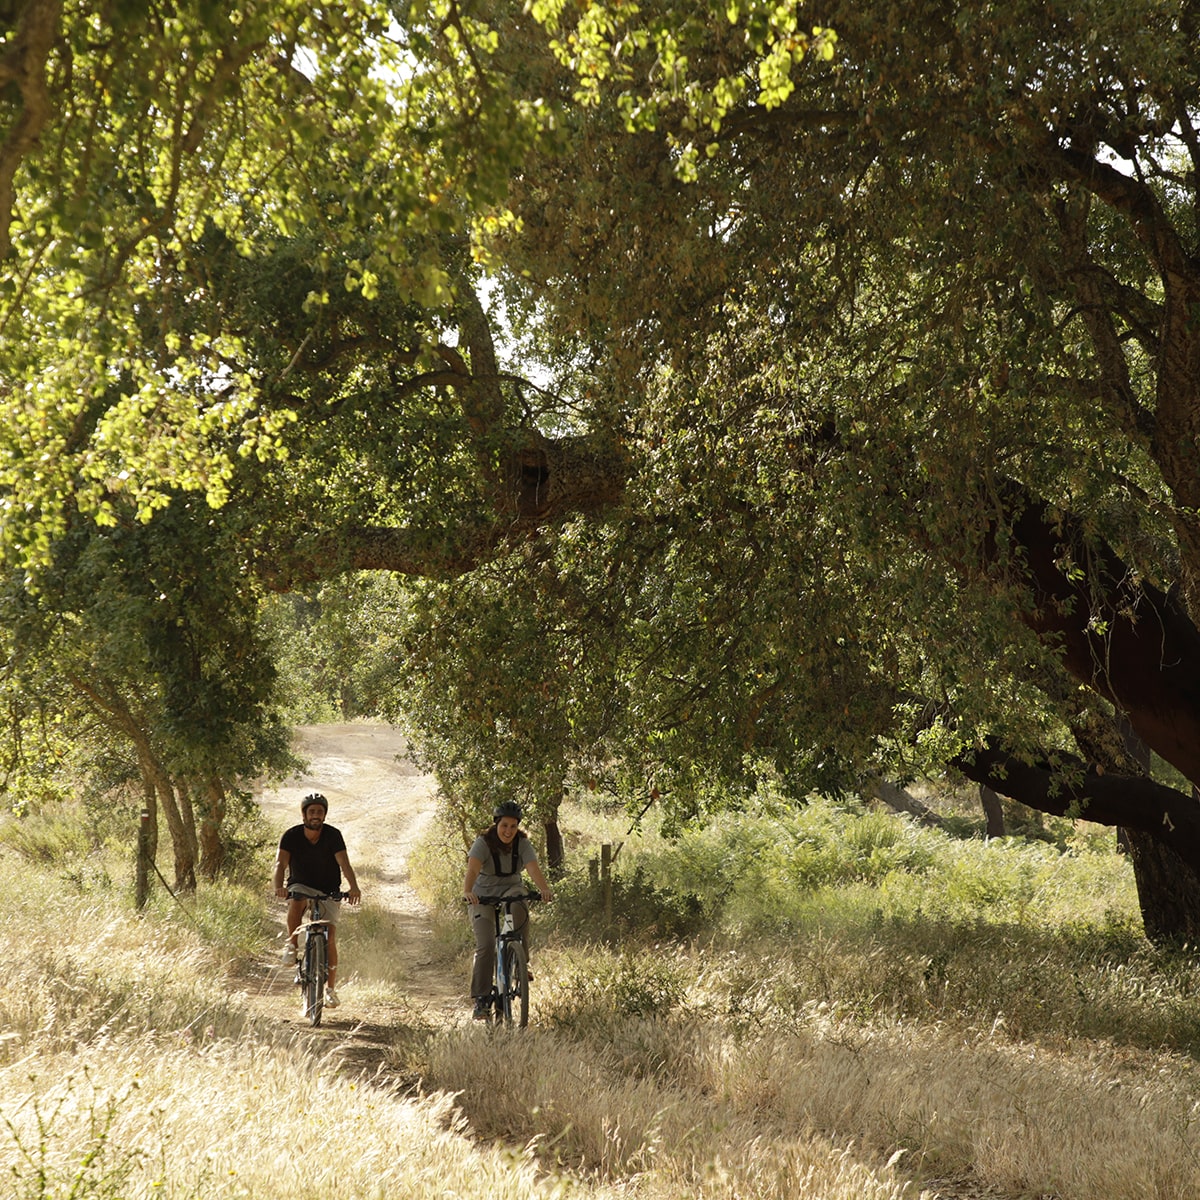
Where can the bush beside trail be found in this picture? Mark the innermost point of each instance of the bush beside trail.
(951, 1008)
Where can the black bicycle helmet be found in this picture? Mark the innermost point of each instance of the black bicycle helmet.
(507, 808)
(311, 799)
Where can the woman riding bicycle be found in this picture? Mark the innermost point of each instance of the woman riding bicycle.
(495, 863)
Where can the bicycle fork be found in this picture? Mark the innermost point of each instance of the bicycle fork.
(307, 937)
(506, 934)
(502, 937)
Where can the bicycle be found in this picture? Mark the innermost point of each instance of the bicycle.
(312, 971)
(511, 988)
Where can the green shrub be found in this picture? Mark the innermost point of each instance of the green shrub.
(641, 909)
(225, 916)
(594, 984)
(246, 836)
(54, 833)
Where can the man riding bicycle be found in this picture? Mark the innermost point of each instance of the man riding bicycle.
(314, 854)
(495, 863)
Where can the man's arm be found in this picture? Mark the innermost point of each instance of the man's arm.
(343, 861)
(281, 864)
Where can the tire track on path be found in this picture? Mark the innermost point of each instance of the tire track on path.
(383, 805)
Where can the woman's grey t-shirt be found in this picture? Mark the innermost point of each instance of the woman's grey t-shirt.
(489, 883)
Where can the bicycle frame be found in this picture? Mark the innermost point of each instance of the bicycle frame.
(505, 932)
(313, 940)
(505, 990)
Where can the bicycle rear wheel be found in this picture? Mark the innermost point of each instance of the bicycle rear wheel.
(516, 998)
(315, 965)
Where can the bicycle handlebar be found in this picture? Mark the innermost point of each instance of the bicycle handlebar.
(311, 894)
(496, 901)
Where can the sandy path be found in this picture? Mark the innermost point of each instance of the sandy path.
(382, 804)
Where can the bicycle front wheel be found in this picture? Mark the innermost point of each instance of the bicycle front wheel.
(315, 966)
(516, 992)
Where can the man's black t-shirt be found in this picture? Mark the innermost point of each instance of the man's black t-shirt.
(313, 863)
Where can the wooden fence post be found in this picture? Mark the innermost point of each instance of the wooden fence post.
(142, 875)
(606, 880)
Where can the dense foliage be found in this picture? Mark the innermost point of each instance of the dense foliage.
(747, 391)
(900, 361)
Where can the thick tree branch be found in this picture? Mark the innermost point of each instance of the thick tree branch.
(1119, 635)
(483, 401)
(547, 480)
(330, 553)
(23, 66)
(1137, 201)
(900, 800)
(1094, 288)
(1127, 801)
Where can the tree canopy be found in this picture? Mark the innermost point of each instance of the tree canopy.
(743, 389)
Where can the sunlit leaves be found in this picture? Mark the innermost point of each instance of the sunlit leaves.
(168, 126)
(642, 59)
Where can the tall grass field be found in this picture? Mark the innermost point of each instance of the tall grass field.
(832, 1002)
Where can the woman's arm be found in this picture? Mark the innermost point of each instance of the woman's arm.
(474, 866)
(535, 872)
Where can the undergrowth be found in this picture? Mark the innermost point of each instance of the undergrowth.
(753, 921)
(830, 1002)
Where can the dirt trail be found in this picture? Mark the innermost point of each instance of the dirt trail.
(382, 805)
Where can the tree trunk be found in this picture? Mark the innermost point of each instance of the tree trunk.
(555, 851)
(993, 811)
(1168, 888)
(183, 839)
(556, 854)
(183, 835)
(147, 844)
(1168, 891)
(212, 814)
(183, 843)
(1143, 655)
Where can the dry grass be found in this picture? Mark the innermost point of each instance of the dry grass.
(682, 1100)
(370, 946)
(583, 1113)
(130, 1070)
(219, 1119)
(861, 1055)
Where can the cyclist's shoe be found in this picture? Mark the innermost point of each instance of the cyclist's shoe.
(331, 1000)
(288, 953)
(298, 978)
(483, 1008)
